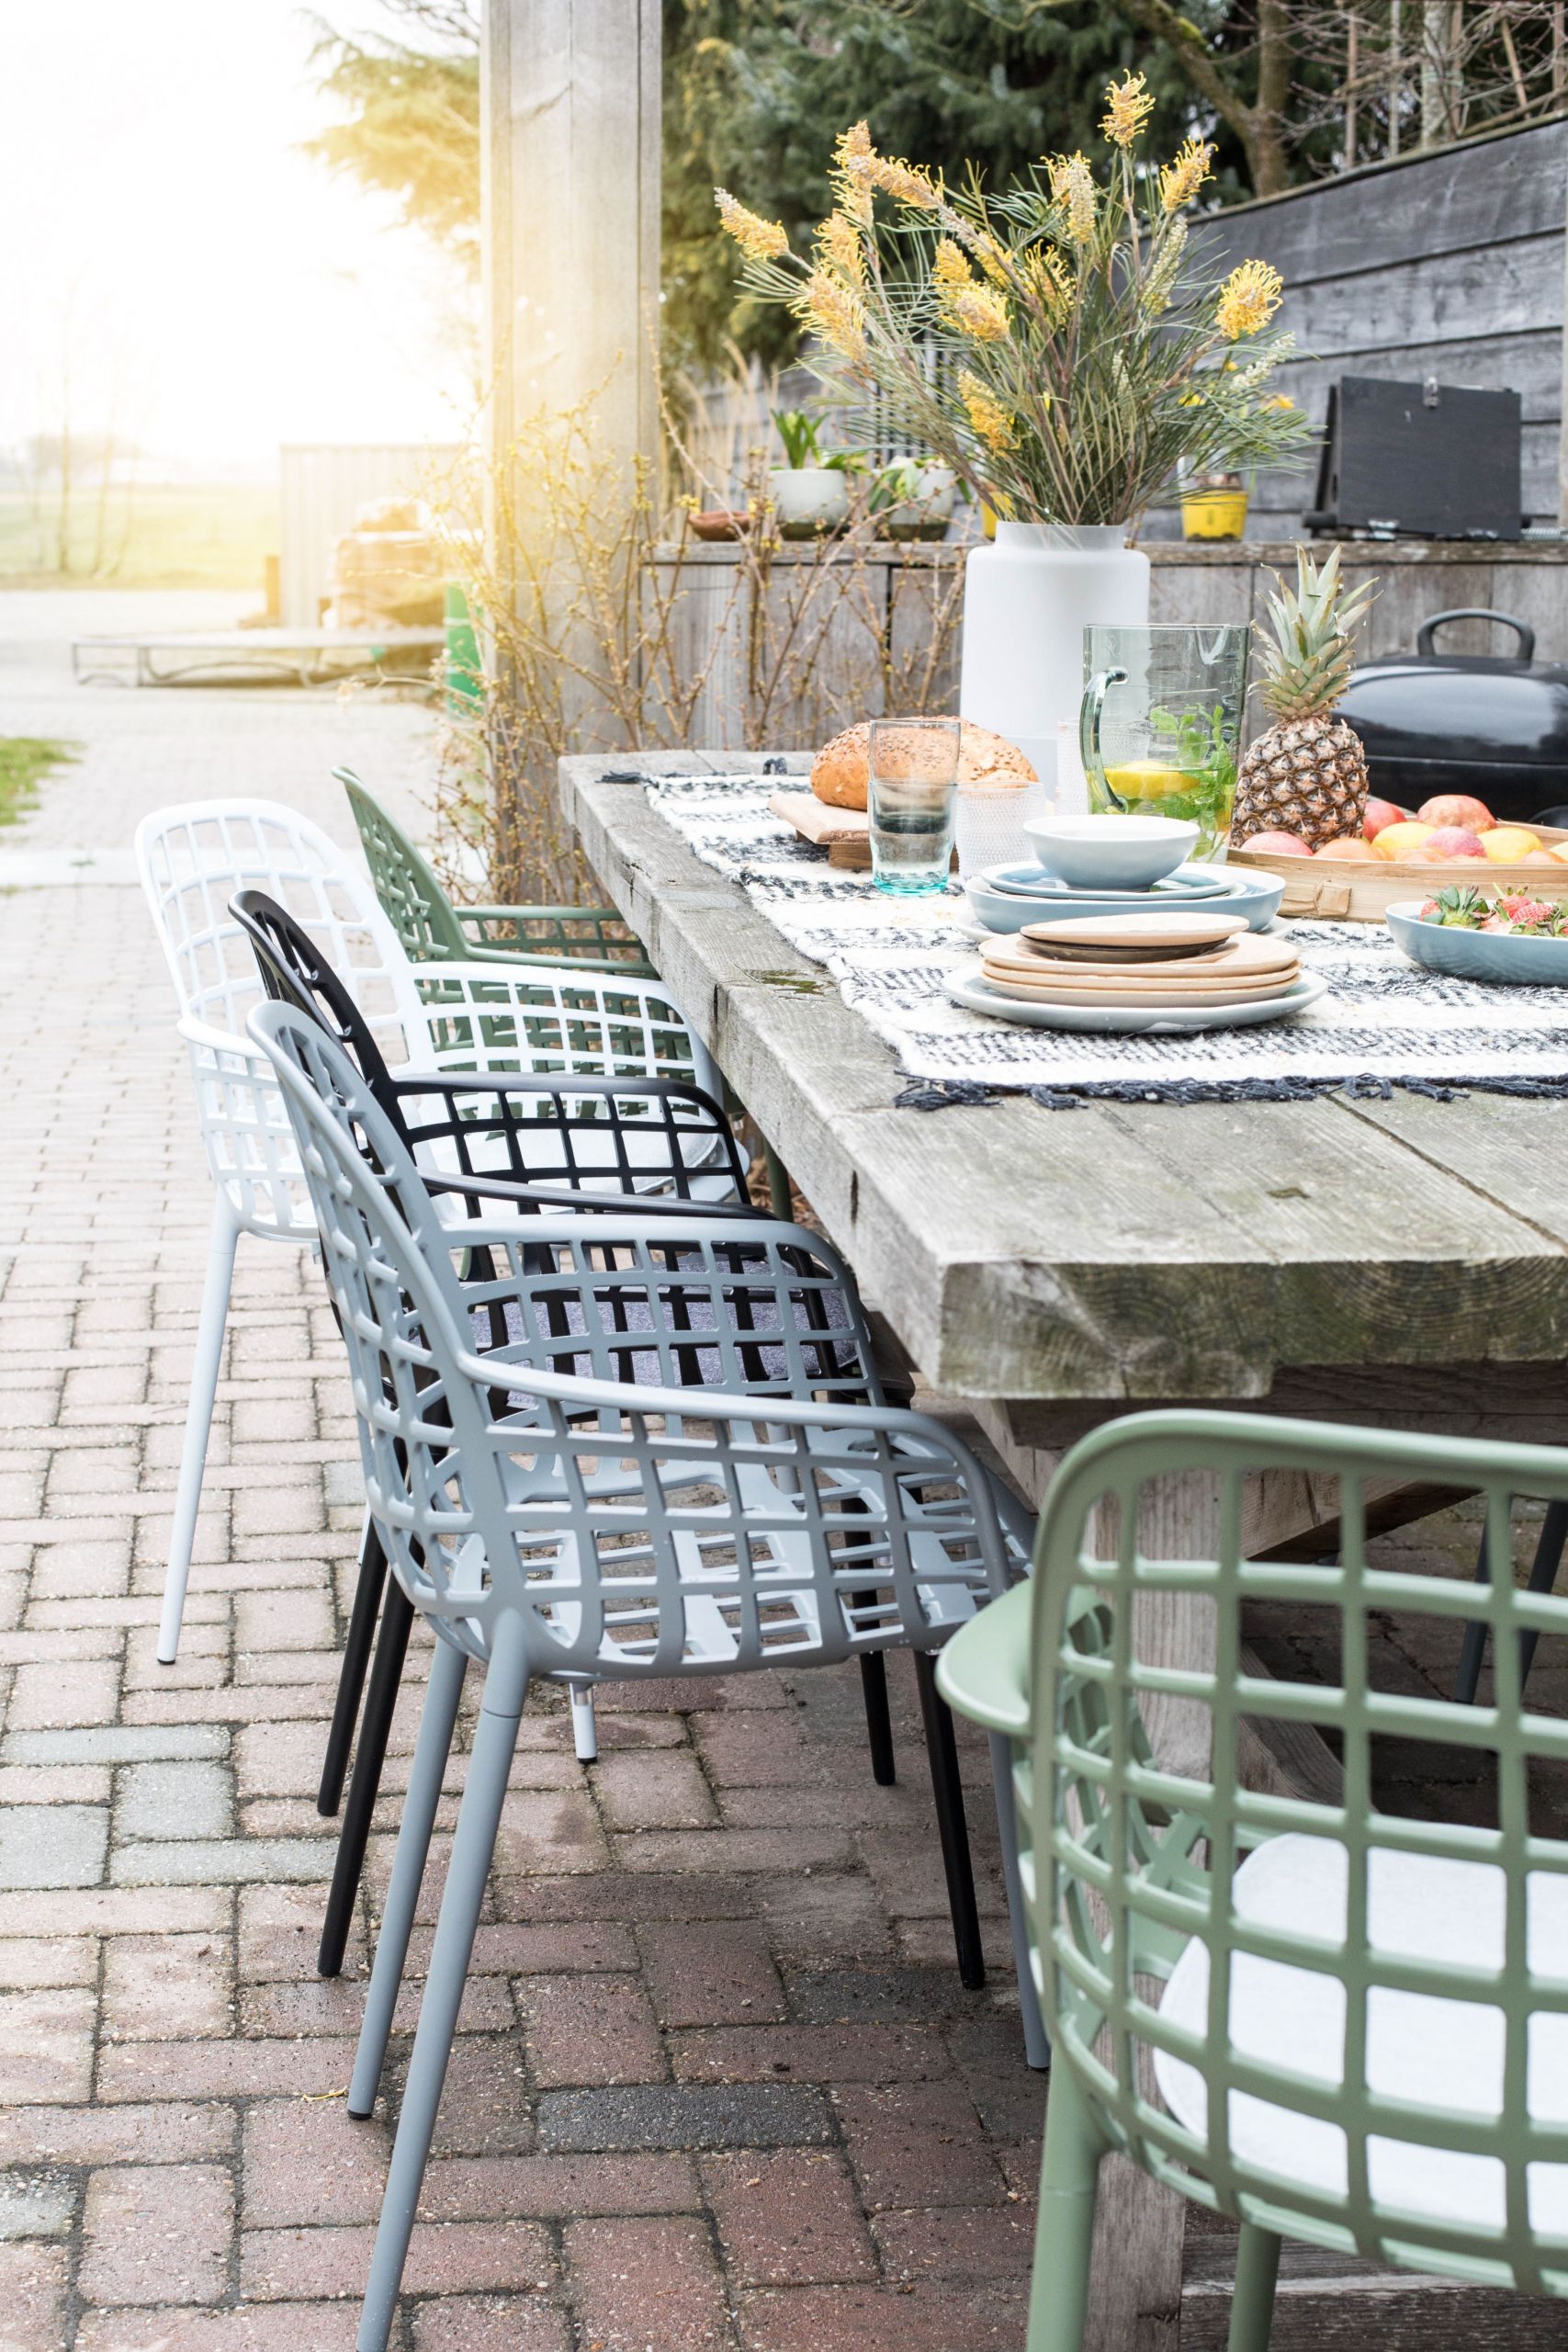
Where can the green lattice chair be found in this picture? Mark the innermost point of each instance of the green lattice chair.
(434, 931)
(1328, 2022)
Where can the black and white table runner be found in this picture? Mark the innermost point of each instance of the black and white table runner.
(1383, 1024)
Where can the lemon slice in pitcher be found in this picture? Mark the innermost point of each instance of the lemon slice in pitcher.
(1136, 780)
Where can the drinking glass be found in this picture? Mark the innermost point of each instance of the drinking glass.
(1160, 726)
(989, 822)
(910, 791)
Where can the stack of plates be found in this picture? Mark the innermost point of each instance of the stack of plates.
(1155, 970)
(1005, 898)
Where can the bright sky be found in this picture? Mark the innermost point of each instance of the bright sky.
(161, 234)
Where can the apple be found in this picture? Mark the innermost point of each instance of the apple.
(1276, 844)
(1401, 841)
(1450, 809)
(1378, 814)
(1450, 841)
(1509, 844)
(1352, 847)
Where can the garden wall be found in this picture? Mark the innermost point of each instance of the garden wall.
(1448, 265)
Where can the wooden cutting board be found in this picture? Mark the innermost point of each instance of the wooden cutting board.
(844, 833)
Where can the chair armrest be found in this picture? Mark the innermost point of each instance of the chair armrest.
(984, 1671)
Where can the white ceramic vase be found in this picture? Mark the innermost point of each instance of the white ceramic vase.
(1027, 599)
(809, 500)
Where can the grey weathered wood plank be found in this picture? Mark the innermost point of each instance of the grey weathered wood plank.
(1486, 192)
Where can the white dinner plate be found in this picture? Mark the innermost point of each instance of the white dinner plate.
(1186, 887)
(971, 989)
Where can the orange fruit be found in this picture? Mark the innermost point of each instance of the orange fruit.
(1506, 844)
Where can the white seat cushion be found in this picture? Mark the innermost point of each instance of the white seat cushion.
(1420, 2048)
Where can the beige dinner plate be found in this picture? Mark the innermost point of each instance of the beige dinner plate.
(1238, 961)
(1151, 996)
(1121, 932)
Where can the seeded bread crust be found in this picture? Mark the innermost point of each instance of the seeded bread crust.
(839, 771)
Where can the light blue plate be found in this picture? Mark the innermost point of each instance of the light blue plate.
(1508, 959)
(1187, 884)
(1255, 896)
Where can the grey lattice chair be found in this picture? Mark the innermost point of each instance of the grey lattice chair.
(1330, 2022)
(553, 1524)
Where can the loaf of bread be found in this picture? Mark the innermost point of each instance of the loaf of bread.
(839, 771)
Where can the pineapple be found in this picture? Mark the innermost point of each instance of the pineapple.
(1307, 774)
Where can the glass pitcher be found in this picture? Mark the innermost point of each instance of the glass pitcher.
(1160, 725)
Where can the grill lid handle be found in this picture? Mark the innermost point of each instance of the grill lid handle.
(1522, 631)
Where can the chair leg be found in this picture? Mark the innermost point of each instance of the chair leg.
(432, 1749)
(468, 1871)
(1036, 2041)
(878, 1718)
(948, 1790)
(1548, 1551)
(1252, 2305)
(584, 1728)
(1548, 1559)
(397, 1616)
(199, 1422)
(1473, 1650)
(355, 1663)
(781, 1199)
(1063, 2233)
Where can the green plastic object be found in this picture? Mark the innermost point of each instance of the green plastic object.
(433, 930)
(1379, 2068)
(465, 672)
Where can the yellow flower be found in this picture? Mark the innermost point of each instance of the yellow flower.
(1180, 179)
(980, 313)
(951, 272)
(907, 183)
(1072, 185)
(1248, 298)
(853, 156)
(838, 249)
(1128, 107)
(992, 259)
(974, 309)
(837, 312)
(1279, 400)
(1042, 267)
(757, 239)
(991, 423)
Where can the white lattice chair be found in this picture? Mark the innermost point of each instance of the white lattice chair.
(193, 858)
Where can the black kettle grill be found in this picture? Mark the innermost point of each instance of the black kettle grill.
(1492, 725)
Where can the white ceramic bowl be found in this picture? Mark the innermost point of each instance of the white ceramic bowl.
(1112, 853)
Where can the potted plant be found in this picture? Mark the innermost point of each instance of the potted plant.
(912, 498)
(809, 491)
(1081, 353)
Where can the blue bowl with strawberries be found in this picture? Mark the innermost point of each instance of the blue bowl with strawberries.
(1508, 940)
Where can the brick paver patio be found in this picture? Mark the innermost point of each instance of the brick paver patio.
(717, 2085)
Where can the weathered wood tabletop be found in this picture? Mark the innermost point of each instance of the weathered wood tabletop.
(1401, 1261)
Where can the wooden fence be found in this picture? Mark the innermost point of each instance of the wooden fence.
(791, 650)
(1448, 265)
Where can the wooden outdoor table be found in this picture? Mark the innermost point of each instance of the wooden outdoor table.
(1401, 1263)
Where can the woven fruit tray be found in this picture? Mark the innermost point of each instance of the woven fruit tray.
(1356, 889)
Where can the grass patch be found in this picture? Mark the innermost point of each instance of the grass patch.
(25, 760)
(177, 536)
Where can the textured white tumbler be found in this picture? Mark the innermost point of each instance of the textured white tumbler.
(1026, 601)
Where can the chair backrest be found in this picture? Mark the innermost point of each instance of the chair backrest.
(592, 1144)
(1430, 1955)
(416, 904)
(628, 1530)
(195, 856)
(192, 859)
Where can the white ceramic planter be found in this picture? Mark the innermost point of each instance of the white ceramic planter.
(809, 500)
(924, 512)
(1026, 601)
